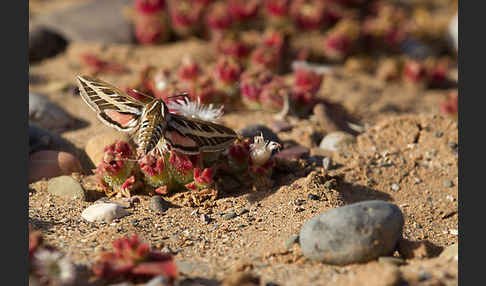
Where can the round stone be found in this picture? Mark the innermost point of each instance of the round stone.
(106, 212)
(158, 204)
(48, 115)
(251, 131)
(96, 145)
(66, 187)
(48, 164)
(355, 233)
(335, 141)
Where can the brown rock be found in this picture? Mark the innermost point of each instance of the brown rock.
(95, 146)
(48, 164)
(417, 249)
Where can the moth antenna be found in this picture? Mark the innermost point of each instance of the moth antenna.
(184, 94)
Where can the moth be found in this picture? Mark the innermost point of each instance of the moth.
(150, 120)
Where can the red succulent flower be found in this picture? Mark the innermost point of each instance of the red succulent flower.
(414, 71)
(218, 16)
(265, 57)
(232, 46)
(307, 80)
(151, 29)
(185, 16)
(243, 10)
(278, 8)
(340, 40)
(252, 82)
(98, 65)
(450, 106)
(152, 165)
(272, 95)
(149, 6)
(228, 70)
(189, 70)
(307, 14)
(133, 259)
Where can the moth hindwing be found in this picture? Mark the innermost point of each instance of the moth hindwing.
(114, 107)
(192, 136)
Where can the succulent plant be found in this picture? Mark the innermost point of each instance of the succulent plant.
(273, 94)
(252, 82)
(117, 171)
(150, 20)
(341, 39)
(449, 106)
(97, 65)
(414, 72)
(227, 73)
(47, 265)
(218, 18)
(189, 70)
(132, 259)
(307, 14)
(186, 16)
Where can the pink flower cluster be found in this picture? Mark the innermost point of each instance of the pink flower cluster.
(132, 259)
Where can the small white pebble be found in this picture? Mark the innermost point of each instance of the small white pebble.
(103, 212)
(453, 231)
(450, 198)
(395, 187)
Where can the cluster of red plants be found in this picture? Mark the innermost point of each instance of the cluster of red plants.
(429, 72)
(344, 26)
(131, 259)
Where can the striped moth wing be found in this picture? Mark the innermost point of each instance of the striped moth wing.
(191, 136)
(113, 107)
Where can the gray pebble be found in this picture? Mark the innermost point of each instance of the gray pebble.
(229, 215)
(355, 233)
(337, 140)
(48, 115)
(313, 197)
(66, 187)
(448, 183)
(251, 131)
(158, 204)
(244, 211)
(453, 145)
(292, 240)
(439, 134)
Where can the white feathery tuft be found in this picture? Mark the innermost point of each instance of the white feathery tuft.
(197, 110)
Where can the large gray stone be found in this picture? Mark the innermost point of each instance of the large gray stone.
(48, 115)
(355, 233)
(99, 21)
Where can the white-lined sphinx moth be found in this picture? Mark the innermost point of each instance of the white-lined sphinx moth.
(150, 119)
